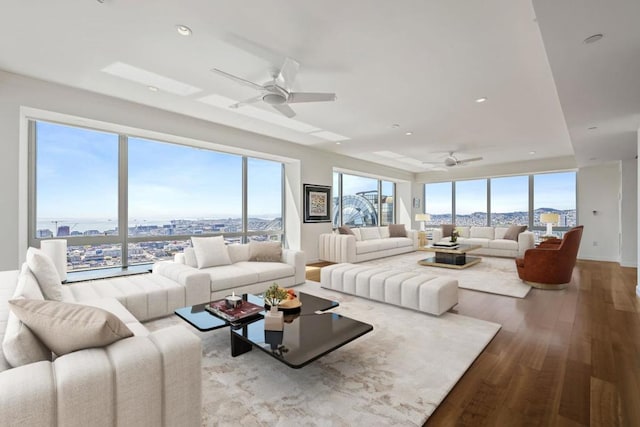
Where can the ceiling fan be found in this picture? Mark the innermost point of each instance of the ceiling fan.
(277, 92)
(451, 160)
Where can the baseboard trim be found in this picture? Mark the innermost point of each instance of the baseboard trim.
(629, 264)
(586, 258)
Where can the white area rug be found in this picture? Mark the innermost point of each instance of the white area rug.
(395, 375)
(494, 275)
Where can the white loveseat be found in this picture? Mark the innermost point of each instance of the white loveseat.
(365, 244)
(491, 240)
(149, 379)
(240, 276)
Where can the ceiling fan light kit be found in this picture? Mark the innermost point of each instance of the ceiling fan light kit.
(277, 92)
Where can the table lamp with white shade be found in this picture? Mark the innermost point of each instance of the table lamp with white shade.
(550, 219)
(422, 218)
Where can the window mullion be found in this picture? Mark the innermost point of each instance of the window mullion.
(123, 198)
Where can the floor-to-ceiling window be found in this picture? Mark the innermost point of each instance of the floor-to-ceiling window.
(360, 201)
(503, 201)
(509, 201)
(471, 202)
(438, 202)
(120, 200)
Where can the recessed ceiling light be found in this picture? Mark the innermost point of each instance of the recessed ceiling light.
(338, 143)
(532, 152)
(592, 39)
(481, 100)
(408, 133)
(183, 30)
(152, 88)
(593, 128)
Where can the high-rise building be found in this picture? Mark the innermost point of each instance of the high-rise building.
(63, 230)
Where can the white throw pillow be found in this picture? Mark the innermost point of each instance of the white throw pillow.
(190, 257)
(210, 251)
(370, 233)
(384, 232)
(45, 271)
(356, 232)
(238, 252)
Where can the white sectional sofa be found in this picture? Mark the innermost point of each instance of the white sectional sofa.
(364, 244)
(148, 379)
(492, 240)
(240, 275)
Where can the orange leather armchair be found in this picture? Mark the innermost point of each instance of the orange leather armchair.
(550, 265)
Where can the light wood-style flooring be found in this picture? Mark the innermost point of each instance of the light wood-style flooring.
(562, 358)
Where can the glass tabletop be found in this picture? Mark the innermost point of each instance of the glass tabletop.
(203, 320)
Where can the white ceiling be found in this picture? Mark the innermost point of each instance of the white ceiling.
(420, 64)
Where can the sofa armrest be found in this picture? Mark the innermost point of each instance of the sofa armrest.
(142, 381)
(296, 259)
(197, 283)
(526, 240)
(337, 247)
(436, 235)
(413, 235)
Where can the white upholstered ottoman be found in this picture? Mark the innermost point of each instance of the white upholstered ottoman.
(418, 291)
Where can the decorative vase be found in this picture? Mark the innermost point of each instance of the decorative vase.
(274, 319)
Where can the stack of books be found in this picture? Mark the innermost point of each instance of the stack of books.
(243, 311)
(446, 244)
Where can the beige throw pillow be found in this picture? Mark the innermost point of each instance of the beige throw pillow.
(42, 266)
(265, 251)
(397, 230)
(345, 230)
(513, 232)
(64, 327)
(210, 251)
(447, 229)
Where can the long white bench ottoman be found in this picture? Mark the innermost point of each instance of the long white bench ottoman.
(418, 291)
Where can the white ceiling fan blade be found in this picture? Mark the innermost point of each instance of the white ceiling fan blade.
(246, 101)
(237, 79)
(473, 159)
(310, 97)
(285, 109)
(288, 73)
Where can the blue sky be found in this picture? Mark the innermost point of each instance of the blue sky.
(77, 178)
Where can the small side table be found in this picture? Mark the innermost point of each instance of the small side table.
(422, 239)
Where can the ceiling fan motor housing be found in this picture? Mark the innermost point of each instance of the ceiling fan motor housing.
(275, 95)
(450, 161)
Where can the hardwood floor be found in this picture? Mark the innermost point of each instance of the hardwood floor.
(562, 358)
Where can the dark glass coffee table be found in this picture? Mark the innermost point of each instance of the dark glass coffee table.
(309, 333)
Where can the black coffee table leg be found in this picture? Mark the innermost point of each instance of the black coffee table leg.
(239, 346)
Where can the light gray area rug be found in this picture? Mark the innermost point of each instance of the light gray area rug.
(494, 275)
(395, 375)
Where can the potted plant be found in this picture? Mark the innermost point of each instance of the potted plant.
(274, 319)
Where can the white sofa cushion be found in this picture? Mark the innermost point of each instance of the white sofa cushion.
(230, 276)
(387, 243)
(238, 252)
(356, 232)
(477, 241)
(267, 271)
(370, 233)
(482, 232)
(506, 244)
(499, 232)
(210, 251)
(43, 268)
(114, 307)
(464, 231)
(401, 242)
(64, 327)
(384, 232)
(367, 246)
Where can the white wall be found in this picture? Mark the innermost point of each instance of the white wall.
(599, 191)
(629, 214)
(308, 165)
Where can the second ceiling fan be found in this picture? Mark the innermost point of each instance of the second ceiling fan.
(277, 92)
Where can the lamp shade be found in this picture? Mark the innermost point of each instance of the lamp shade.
(423, 217)
(549, 218)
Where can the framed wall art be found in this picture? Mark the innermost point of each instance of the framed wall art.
(317, 203)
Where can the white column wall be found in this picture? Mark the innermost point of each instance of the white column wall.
(305, 164)
(599, 191)
(629, 213)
